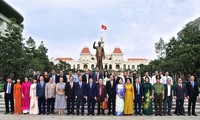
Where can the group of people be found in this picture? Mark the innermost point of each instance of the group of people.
(125, 95)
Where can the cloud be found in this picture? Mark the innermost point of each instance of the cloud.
(66, 26)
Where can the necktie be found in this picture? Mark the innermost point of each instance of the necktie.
(138, 89)
(192, 84)
(97, 76)
(9, 88)
(100, 90)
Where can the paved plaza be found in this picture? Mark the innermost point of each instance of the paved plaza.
(65, 117)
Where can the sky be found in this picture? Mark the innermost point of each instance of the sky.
(66, 26)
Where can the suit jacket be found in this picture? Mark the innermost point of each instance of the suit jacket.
(95, 77)
(5, 88)
(103, 94)
(80, 91)
(192, 92)
(40, 91)
(50, 91)
(116, 79)
(64, 78)
(70, 92)
(37, 77)
(166, 91)
(91, 92)
(140, 91)
(111, 91)
(84, 78)
(56, 78)
(179, 92)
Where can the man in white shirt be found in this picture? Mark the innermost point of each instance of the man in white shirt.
(166, 77)
(153, 80)
(168, 98)
(146, 75)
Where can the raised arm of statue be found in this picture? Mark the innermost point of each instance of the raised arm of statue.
(94, 46)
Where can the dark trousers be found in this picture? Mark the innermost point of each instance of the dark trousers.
(158, 103)
(91, 101)
(41, 104)
(192, 102)
(80, 101)
(9, 98)
(70, 105)
(50, 105)
(99, 104)
(111, 102)
(138, 104)
(179, 106)
(167, 105)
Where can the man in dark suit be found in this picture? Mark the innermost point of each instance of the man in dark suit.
(168, 88)
(116, 77)
(192, 94)
(37, 76)
(61, 74)
(101, 96)
(80, 95)
(8, 96)
(70, 95)
(91, 96)
(54, 76)
(86, 76)
(96, 75)
(40, 93)
(138, 96)
(111, 92)
(180, 93)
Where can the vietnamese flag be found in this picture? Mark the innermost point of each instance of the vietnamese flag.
(103, 27)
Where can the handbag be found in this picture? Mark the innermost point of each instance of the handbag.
(104, 105)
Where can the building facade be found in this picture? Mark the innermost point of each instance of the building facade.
(112, 61)
(6, 13)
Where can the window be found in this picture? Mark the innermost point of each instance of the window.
(117, 66)
(133, 66)
(110, 66)
(128, 66)
(124, 66)
(78, 66)
(85, 66)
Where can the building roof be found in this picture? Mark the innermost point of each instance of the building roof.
(85, 50)
(10, 12)
(64, 59)
(133, 59)
(117, 50)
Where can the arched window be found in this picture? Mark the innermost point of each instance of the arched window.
(110, 66)
(117, 66)
(85, 66)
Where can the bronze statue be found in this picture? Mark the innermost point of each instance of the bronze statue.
(100, 55)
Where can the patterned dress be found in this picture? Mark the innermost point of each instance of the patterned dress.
(120, 89)
(147, 108)
(60, 102)
(34, 100)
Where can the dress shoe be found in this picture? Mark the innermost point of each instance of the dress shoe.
(141, 114)
(53, 113)
(77, 113)
(156, 114)
(109, 113)
(103, 113)
(189, 114)
(164, 114)
(182, 114)
(88, 114)
(39, 113)
(68, 113)
(72, 113)
(169, 114)
(194, 114)
(6, 113)
(135, 113)
(98, 113)
(82, 113)
(92, 113)
(12, 113)
(113, 114)
(177, 114)
(48, 113)
(160, 114)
